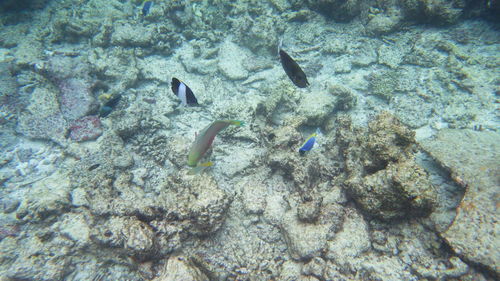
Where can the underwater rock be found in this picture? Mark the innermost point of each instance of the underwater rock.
(388, 141)
(275, 209)
(67, 28)
(187, 206)
(40, 255)
(472, 157)
(363, 56)
(29, 50)
(308, 211)
(52, 127)
(76, 227)
(231, 61)
(305, 172)
(62, 67)
(339, 10)
(441, 12)
(75, 99)
(8, 230)
(342, 64)
(79, 198)
(304, 240)
(11, 102)
(131, 236)
(458, 270)
(401, 189)
(253, 196)
(384, 83)
(179, 268)
(315, 268)
(352, 241)
(382, 24)
(22, 5)
(128, 35)
(48, 199)
(392, 56)
(42, 118)
(316, 107)
(261, 35)
(156, 68)
(86, 128)
(290, 270)
(412, 111)
(207, 207)
(138, 237)
(346, 99)
(114, 64)
(384, 179)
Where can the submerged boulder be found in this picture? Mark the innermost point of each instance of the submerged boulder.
(472, 157)
(339, 10)
(383, 177)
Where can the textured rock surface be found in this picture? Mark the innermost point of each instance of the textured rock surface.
(122, 207)
(42, 119)
(180, 269)
(472, 158)
(75, 99)
(231, 59)
(305, 241)
(351, 241)
(383, 177)
(86, 128)
(341, 10)
(50, 198)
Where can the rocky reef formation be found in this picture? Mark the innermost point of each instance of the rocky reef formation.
(109, 197)
(383, 177)
(474, 231)
(60, 101)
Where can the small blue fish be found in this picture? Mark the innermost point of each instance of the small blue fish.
(309, 143)
(146, 5)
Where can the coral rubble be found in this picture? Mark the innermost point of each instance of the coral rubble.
(404, 94)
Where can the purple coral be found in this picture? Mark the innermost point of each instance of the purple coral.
(85, 128)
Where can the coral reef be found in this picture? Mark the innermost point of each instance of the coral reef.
(11, 103)
(42, 118)
(110, 197)
(179, 268)
(340, 10)
(86, 128)
(384, 179)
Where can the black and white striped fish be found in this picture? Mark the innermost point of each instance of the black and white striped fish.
(184, 93)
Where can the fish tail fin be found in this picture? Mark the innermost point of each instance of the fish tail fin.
(237, 122)
(200, 168)
(319, 134)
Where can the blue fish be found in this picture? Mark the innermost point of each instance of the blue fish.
(309, 143)
(146, 5)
